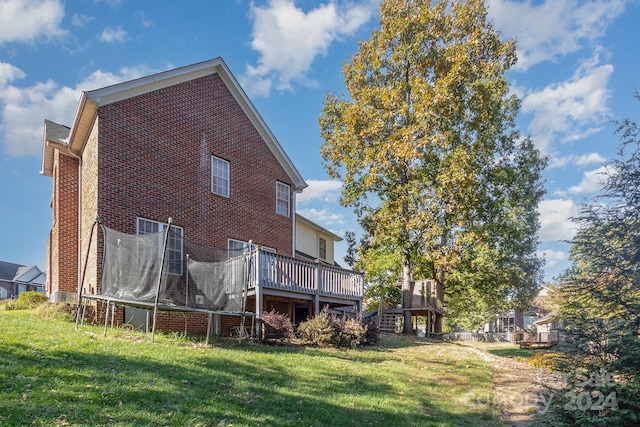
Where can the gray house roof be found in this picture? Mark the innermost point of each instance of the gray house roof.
(10, 272)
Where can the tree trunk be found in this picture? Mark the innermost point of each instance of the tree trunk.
(406, 295)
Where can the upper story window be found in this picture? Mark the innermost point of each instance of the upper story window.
(322, 248)
(283, 195)
(219, 176)
(174, 242)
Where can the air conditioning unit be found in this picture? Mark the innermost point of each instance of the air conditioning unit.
(63, 296)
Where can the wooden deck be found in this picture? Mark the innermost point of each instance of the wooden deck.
(279, 274)
(537, 340)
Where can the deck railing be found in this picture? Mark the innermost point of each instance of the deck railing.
(275, 271)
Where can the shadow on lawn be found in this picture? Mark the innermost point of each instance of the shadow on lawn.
(43, 386)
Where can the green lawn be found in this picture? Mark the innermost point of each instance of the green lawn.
(51, 374)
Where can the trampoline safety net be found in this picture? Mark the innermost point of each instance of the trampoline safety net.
(208, 278)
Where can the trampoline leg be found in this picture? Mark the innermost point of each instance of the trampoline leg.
(106, 319)
(84, 308)
(208, 329)
(113, 314)
(185, 324)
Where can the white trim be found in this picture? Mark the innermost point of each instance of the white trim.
(280, 187)
(161, 227)
(246, 245)
(228, 177)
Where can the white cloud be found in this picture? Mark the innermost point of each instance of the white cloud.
(555, 219)
(552, 257)
(324, 217)
(573, 108)
(326, 190)
(112, 35)
(9, 73)
(80, 20)
(289, 39)
(583, 160)
(146, 23)
(591, 181)
(24, 109)
(589, 159)
(554, 28)
(26, 21)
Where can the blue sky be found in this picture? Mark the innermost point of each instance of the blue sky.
(578, 67)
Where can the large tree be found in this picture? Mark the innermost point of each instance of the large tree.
(427, 148)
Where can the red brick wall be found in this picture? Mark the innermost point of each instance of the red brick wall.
(63, 269)
(89, 186)
(154, 161)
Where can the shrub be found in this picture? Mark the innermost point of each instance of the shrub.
(317, 331)
(327, 329)
(58, 311)
(277, 326)
(9, 304)
(30, 299)
(372, 334)
(350, 332)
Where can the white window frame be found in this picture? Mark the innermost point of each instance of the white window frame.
(175, 250)
(220, 176)
(320, 248)
(245, 246)
(528, 319)
(283, 199)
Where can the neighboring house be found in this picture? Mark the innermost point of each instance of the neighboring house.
(16, 279)
(518, 321)
(314, 242)
(185, 144)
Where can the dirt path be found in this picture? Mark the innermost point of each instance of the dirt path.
(519, 396)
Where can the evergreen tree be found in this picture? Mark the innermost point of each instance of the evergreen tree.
(600, 293)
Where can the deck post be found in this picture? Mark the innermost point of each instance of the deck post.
(316, 297)
(259, 305)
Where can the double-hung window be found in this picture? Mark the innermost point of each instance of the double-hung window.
(175, 240)
(283, 195)
(239, 245)
(219, 176)
(322, 246)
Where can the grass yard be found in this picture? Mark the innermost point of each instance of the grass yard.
(51, 374)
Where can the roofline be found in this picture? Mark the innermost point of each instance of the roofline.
(318, 228)
(91, 100)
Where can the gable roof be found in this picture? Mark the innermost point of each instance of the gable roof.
(74, 141)
(10, 272)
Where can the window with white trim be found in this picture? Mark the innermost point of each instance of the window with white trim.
(175, 242)
(283, 195)
(529, 319)
(219, 176)
(239, 245)
(322, 248)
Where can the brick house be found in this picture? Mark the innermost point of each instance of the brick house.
(185, 144)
